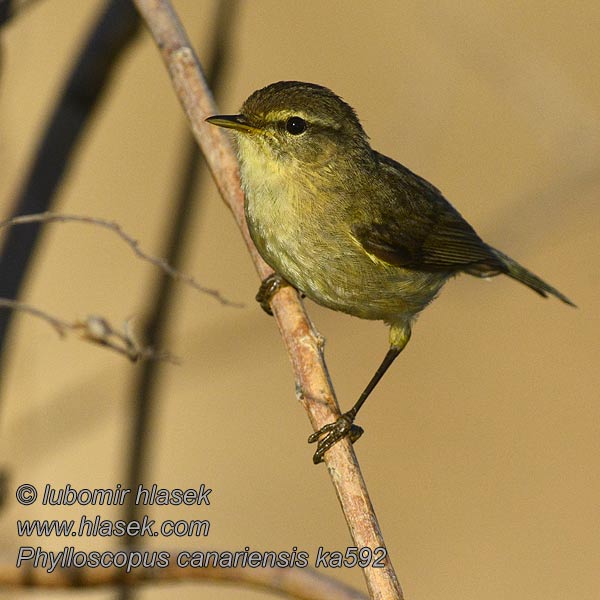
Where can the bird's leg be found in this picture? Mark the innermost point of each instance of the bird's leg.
(268, 288)
(344, 426)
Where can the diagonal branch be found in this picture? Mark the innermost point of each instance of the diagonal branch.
(295, 582)
(49, 217)
(301, 340)
(96, 330)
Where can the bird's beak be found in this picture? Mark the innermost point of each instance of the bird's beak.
(237, 122)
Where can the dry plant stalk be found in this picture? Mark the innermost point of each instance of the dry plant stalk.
(50, 217)
(302, 342)
(302, 584)
(96, 330)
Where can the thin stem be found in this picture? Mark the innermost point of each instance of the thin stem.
(299, 583)
(95, 329)
(49, 217)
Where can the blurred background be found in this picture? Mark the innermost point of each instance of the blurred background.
(482, 442)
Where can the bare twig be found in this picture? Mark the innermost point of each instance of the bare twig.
(48, 217)
(303, 584)
(95, 329)
(302, 341)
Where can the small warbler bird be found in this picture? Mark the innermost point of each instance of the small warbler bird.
(348, 227)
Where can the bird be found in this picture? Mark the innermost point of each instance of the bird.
(347, 226)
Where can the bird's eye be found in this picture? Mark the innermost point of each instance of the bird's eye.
(295, 125)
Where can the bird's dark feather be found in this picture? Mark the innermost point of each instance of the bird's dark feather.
(419, 229)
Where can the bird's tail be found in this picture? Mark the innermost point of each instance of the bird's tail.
(516, 271)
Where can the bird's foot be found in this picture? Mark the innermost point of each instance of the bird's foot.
(268, 288)
(333, 433)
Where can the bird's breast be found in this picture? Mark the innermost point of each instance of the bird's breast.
(304, 234)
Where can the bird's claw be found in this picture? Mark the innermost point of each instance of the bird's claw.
(333, 433)
(268, 288)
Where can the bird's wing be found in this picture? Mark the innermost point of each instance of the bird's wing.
(419, 229)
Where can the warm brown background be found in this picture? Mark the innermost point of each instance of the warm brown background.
(482, 444)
